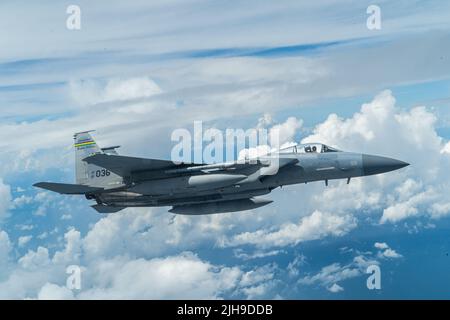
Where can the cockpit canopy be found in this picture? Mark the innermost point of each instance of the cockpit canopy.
(308, 148)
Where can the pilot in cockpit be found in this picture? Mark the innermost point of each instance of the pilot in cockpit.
(309, 148)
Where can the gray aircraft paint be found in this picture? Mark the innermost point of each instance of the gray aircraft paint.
(116, 182)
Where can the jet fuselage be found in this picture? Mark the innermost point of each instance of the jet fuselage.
(116, 182)
(242, 184)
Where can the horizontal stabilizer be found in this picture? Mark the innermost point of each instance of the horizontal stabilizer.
(66, 188)
(123, 165)
(100, 208)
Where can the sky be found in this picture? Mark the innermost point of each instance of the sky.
(137, 70)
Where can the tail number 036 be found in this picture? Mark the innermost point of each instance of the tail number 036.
(100, 173)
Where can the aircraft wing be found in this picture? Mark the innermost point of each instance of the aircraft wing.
(66, 188)
(123, 165)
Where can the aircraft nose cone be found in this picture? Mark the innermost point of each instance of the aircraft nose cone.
(377, 164)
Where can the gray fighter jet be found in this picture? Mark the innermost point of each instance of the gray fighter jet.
(116, 182)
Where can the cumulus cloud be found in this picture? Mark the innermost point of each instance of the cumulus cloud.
(329, 276)
(335, 288)
(390, 253)
(175, 277)
(35, 259)
(72, 249)
(384, 251)
(5, 199)
(282, 133)
(279, 135)
(414, 206)
(51, 291)
(185, 275)
(257, 283)
(381, 127)
(150, 232)
(315, 226)
(22, 201)
(145, 242)
(381, 245)
(24, 240)
(5, 246)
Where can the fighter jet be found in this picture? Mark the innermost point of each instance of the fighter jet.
(116, 182)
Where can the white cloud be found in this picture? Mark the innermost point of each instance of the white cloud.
(21, 201)
(279, 135)
(256, 276)
(66, 216)
(22, 242)
(408, 188)
(258, 291)
(439, 210)
(43, 235)
(383, 128)
(25, 227)
(150, 232)
(414, 206)
(330, 275)
(51, 291)
(381, 245)
(239, 253)
(257, 283)
(88, 93)
(315, 226)
(385, 251)
(72, 249)
(293, 267)
(176, 277)
(390, 253)
(35, 259)
(284, 132)
(5, 199)
(335, 288)
(5, 246)
(136, 238)
(250, 153)
(446, 148)
(362, 127)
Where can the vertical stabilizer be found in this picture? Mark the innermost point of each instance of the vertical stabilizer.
(90, 174)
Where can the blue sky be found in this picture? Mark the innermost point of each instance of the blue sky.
(137, 71)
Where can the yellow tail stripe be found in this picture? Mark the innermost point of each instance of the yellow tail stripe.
(84, 143)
